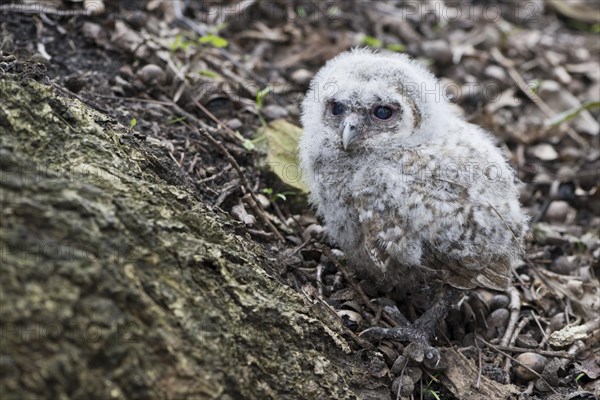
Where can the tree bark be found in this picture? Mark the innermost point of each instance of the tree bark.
(118, 282)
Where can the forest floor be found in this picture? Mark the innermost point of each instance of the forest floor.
(527, 71)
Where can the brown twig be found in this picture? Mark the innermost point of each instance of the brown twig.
(215, 119)
(546, 353)
(254, 202)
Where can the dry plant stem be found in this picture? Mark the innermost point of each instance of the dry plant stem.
(537, 321)
(216, 120)
(497, 349)
(546, 353)
(320, 279)
(262, 234)
(279, 213)
(254, 203)
(398, 395)
(181, 111)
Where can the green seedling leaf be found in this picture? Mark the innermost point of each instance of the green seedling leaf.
(260, 95)
(372, 42)
(209, 74)
(572, 113)
(181, 43)
(397, 47)
(132, 123)
(247, 143)
(214, 40)
(174, 120)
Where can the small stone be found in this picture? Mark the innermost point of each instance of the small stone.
(240, 213)
(558, 211)
(404, 385)
(526, 341)
(313, 230)
(398, 365)
(414, 352)
(499, 301)
(234, 123)
(564, 265)
(301, 76)
(544, 152)
(152, 74)
(490, 37)
(534, 361)
(495, 72)
(263, 200)
(273, 111)
(496, 323)
(439, 50)
(570, 153)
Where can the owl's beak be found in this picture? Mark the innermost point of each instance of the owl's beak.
(349, 133)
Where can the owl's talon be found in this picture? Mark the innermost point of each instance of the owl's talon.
(375, 334)
(418, 350)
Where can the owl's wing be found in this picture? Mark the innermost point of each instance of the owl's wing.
(390, 243)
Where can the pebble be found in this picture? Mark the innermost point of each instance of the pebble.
(496, 323)
(495, 72)
(313, 230)
(234, 123)
(544, 152)
(557, 322)
(301, 76)
(532, 360)
(564, 265)
(439, 50)
(273, 111)
(558, 211)
(499, 301)
(526, 341)
(152, 74)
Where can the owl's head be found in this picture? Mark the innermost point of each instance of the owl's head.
(363, 99)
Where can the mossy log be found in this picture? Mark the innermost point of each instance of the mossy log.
(118, 282)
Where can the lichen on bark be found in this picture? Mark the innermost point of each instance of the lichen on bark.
(118, 282)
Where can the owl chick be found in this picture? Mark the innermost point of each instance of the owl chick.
(414, 195)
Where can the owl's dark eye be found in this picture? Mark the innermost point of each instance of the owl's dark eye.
(383, 112)
(337, 108)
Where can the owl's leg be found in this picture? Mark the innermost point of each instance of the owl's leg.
(423, 329)
(437, 311)
(392, 310)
